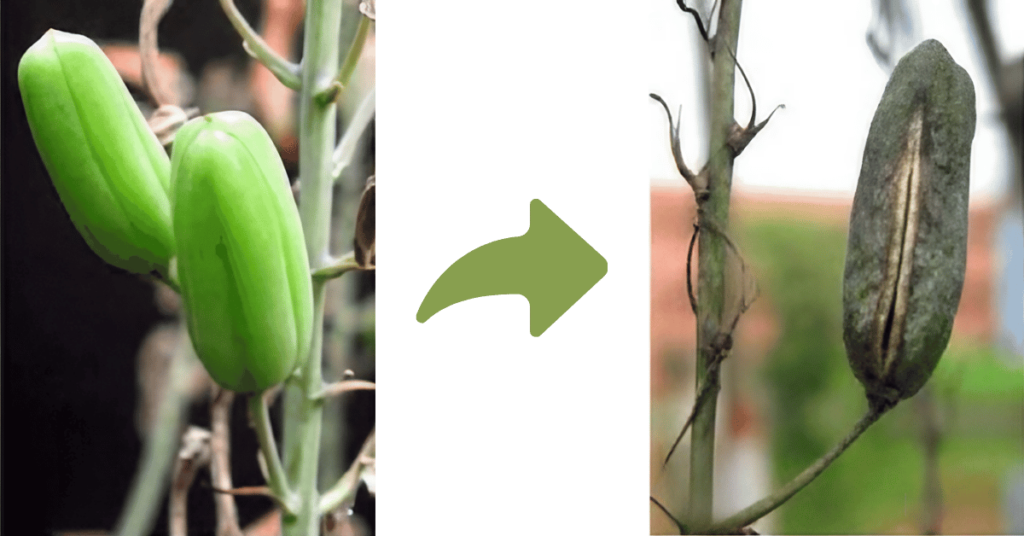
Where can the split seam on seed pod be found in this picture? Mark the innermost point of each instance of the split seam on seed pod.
(907, 248)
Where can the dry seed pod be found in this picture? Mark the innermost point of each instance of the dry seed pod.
(365, 240)
(907, 248)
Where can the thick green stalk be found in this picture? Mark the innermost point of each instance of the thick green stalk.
(303, 414)
(714, 217)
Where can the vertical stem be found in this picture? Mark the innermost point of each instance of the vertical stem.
(316, 142)
(341, 335)
(714, 217)
(220, 461)
(304, 417)
(982, 22)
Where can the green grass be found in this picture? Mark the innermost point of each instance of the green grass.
(876, 486)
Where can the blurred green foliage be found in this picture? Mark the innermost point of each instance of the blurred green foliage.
(799, 267)
(980, 375)
(876, 485)
(368, 338)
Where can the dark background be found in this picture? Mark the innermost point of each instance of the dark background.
(501, 429)
(72, 325)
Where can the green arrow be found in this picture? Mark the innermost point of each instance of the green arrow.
(550, 265)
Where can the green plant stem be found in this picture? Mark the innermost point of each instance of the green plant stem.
(285, 71)
(150, 481)
(763, 507)
(276, 479)
(714, 215)
(346, 149)
(337, 267)
(348, 67)
(304, 417)
(344, 491)
(355, 51)
(345, 386)
(304, 413)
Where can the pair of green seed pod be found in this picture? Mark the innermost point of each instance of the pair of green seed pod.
(222, 208)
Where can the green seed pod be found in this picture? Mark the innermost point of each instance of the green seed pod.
(242, 265)
(111, 173)
(907, 249)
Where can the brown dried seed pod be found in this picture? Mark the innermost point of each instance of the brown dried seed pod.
(365, 241)
(907, 248)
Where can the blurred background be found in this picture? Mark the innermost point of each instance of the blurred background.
(86, 347)
(788, 393)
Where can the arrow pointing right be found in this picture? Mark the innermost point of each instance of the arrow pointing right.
(550, 265)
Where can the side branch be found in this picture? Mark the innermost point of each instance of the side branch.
(276, 479)
(152, 12)
(348, 66)
(765, 506)
(721, 344)
(194, 455)
(679, 525)
(697, 181)
(338, 267)
(739, 138)
(220, 461)
(285, 71)
(345, 490)
(346, 149)
(344, 386)
(696, 17)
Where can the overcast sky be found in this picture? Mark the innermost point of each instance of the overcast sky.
(812, 56)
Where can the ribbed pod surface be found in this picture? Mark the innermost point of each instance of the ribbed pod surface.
(242, 262)
(111, 173)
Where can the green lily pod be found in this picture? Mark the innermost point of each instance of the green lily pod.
(242, 265)
(111, 173)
